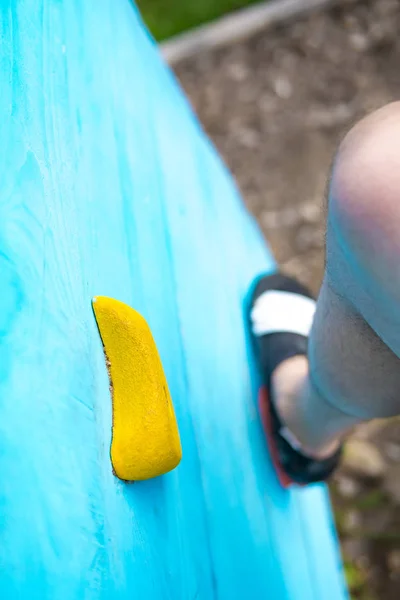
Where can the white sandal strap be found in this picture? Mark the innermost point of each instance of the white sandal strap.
(286, 312)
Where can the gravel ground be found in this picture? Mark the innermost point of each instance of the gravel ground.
(277, 106)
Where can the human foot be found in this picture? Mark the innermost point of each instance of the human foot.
(281, 315)
(291, 390)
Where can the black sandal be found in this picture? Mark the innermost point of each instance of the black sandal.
(281, 315)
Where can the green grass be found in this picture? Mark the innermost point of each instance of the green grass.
(165, 18)
(357, 582)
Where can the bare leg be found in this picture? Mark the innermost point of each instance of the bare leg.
(353, 372)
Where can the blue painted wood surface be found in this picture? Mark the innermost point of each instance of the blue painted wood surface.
(109, 187)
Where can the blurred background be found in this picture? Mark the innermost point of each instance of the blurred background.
(276, 105)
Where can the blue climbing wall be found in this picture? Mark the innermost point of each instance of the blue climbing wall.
(108, 186)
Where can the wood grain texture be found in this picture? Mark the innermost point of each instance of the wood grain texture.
(109, 187)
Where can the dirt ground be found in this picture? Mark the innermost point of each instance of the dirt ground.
(276, 106)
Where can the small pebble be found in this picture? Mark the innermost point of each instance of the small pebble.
(392, 451)
(359, 42)
(393, 560)
(310, 212)
(282, 87)
(347, 487)
(351, 521)
(248, 138)
(238, 72)
(363, 459)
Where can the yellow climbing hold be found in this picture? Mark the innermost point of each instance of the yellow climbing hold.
(145, 436)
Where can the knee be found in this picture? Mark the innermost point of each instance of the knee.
(364, 199)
